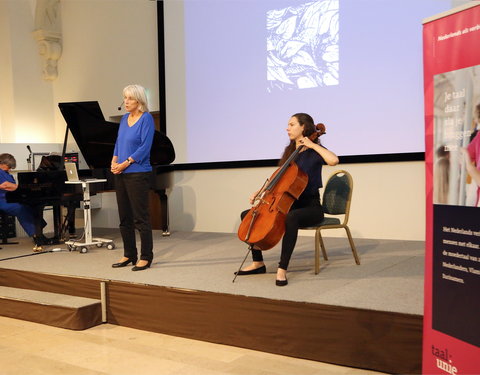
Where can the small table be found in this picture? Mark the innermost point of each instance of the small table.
(89, 241)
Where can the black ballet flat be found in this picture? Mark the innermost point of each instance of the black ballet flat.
(281, 282)
(124, 264)
(255, 271)
(141, 268)
(40, 240)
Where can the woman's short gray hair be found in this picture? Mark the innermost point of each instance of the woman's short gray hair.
(138, 93)
(8, 160)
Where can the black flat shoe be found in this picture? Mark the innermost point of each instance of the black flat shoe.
(40, 240)
(255, 271)
(124, 264)
(141, 268)
(281, 282)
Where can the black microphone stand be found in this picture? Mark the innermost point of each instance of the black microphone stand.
(29, 159)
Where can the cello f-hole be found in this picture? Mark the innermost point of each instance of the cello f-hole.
(247, 236)
(271, 204)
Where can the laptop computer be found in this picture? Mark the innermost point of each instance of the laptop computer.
(72, 173)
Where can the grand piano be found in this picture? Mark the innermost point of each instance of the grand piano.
(95, 138)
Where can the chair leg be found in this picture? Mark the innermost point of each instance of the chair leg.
(317, 253)
(352, 245)
(324, 252)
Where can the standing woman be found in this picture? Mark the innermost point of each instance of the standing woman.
(131, 167)
(307, 210)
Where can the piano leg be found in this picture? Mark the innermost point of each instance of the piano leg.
(162, 196)
(57, 223)
(38, 215)
(70, 218)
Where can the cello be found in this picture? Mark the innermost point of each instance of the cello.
(264, 224)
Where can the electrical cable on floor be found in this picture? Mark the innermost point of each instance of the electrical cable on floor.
(72, 245)
(56, 250)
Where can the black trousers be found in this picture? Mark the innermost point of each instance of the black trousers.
(304, 213)
(132, 201)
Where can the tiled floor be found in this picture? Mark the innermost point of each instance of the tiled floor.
(29, 349)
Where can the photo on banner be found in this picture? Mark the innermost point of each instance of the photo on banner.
(456, 140)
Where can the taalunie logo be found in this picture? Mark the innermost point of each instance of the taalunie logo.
(443, 360)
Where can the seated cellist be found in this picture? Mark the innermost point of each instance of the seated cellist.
(307, 210)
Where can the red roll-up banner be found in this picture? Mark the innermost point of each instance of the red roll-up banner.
(452, 154)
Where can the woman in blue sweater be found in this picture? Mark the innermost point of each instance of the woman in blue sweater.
(131, 167)
(307, 210)
(30, 220)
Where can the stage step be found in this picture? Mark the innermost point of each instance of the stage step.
(58, 310)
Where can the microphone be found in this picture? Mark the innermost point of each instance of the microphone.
(120, 107)
(29, 159)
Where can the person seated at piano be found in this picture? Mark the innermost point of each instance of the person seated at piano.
(26, 215)
(131, 167)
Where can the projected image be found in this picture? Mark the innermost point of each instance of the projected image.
(232, 83)
(302, 46)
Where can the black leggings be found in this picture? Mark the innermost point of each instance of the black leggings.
(304, 213)
(132, 199)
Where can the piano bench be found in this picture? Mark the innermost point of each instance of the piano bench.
(7, 228)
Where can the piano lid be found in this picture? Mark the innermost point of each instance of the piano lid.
(96, 137)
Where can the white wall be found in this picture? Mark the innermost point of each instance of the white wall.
(21, 153)
(108, 44)
(388, 199)
(26, 107)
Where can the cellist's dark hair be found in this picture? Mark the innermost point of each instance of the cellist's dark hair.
(309, 128)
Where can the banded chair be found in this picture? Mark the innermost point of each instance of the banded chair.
(336, 200)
